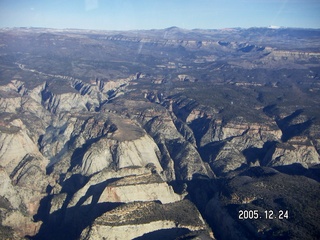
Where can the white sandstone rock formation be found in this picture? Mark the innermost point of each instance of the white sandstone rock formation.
(103, 176)
(137, 219)
(296, 150)
(147, 187)
(15, 144)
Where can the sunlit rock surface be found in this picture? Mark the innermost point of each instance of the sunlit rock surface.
(158, 134)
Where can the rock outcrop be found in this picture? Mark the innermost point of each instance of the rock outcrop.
(143, 134)
(142, 220)
(296, 150)
(23, 179)
(148, 187)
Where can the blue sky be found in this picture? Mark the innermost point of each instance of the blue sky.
(149, 14)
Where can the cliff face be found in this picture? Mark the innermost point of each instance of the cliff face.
(24, 179)
(231, 145)
(116, 161)
(105, 153)
(296, 150)
(139, 188)
(126, 152)
(140, 218)
(257, 188)
(133, 135)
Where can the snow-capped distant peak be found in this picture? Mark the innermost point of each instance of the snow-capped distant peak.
(274, 27)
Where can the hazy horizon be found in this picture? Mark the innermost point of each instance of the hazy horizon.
(144, 14)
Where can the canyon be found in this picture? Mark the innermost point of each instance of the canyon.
(159, 134)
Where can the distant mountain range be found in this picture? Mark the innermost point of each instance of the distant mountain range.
(159, 134)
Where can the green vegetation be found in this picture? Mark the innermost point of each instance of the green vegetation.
(190, 85)
(182, 212)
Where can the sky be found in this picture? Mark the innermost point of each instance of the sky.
(158, 14)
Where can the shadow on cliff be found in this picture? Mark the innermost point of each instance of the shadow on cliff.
(67, 223)
(202, 192)
(298, 170)
(200, 127)
(210, 151)
(168, 234)
(291, 130)
(262, 155)
(77, 156)
(78, 153)
(288, 130)
(184, 112)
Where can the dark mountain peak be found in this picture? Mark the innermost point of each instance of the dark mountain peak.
(173, 28)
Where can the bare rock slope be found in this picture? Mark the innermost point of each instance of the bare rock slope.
(162, 134)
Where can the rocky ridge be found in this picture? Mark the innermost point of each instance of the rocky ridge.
(89, 157)
(166, 142)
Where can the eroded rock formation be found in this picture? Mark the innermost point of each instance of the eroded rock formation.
(179, 136)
